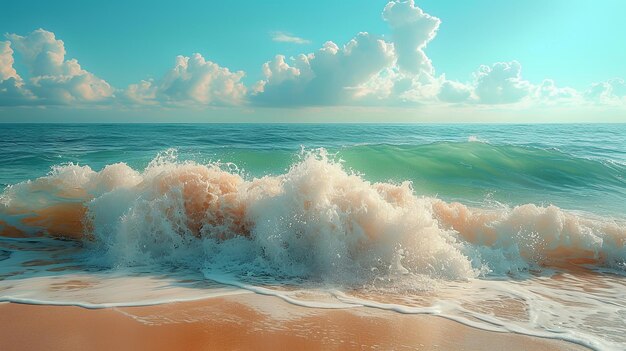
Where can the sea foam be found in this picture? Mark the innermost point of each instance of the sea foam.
(317, 221)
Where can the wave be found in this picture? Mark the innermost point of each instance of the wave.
(316, 221)
(478, 162)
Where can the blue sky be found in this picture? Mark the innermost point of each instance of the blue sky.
(482, 60)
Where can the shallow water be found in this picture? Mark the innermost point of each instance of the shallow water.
(510, 228)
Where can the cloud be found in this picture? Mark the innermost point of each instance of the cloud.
(610, 92)
(325, 77)
(549, 92)
(142, 93)
(410, 79)
(366, 71)
(412, 29)
(501, 83)
(6, 62)
(191, 80)
(283, 37)
(55, 80)
(42, 53)
(454, 92)
(12, 91)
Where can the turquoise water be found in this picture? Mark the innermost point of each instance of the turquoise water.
(507, 228)
(578, 167)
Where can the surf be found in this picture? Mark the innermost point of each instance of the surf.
(317, 220)
(319, 234)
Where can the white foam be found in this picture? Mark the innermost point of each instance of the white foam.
(315, 221)
(96, 291)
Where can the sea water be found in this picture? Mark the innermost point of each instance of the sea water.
(508, 228)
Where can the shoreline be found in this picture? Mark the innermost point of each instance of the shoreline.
(244, 322)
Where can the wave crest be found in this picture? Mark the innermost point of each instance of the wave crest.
(315, 221)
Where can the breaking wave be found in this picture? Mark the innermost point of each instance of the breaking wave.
(317, 221)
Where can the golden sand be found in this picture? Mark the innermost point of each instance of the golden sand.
(244, 322)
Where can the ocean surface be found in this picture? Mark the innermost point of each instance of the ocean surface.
(508, 228)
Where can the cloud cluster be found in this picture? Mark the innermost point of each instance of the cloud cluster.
(192, 80)
(549, 92)
(6, 62)
(53, 79)
(412, 29)
(325, 77)
(454, 92)
(611, 92)
(501, 83)
(12, 90)
(368, 70)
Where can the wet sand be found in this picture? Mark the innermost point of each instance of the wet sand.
(244, 322)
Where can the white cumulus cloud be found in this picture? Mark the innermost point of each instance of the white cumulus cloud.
(549, 92)
(412, 29)
(6, 62)
(454, 92)
(55, 80)
(325, 77)
(610, 92)
(12, 90)
(192, 80)
(501, 83)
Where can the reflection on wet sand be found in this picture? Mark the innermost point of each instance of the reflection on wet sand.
(244, 322)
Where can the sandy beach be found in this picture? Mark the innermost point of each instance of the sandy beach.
(244, 322)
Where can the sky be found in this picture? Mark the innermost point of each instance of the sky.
(316, 61)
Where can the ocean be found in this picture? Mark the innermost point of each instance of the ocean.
(507, 228)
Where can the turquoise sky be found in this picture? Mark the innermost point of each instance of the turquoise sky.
(574, 43)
